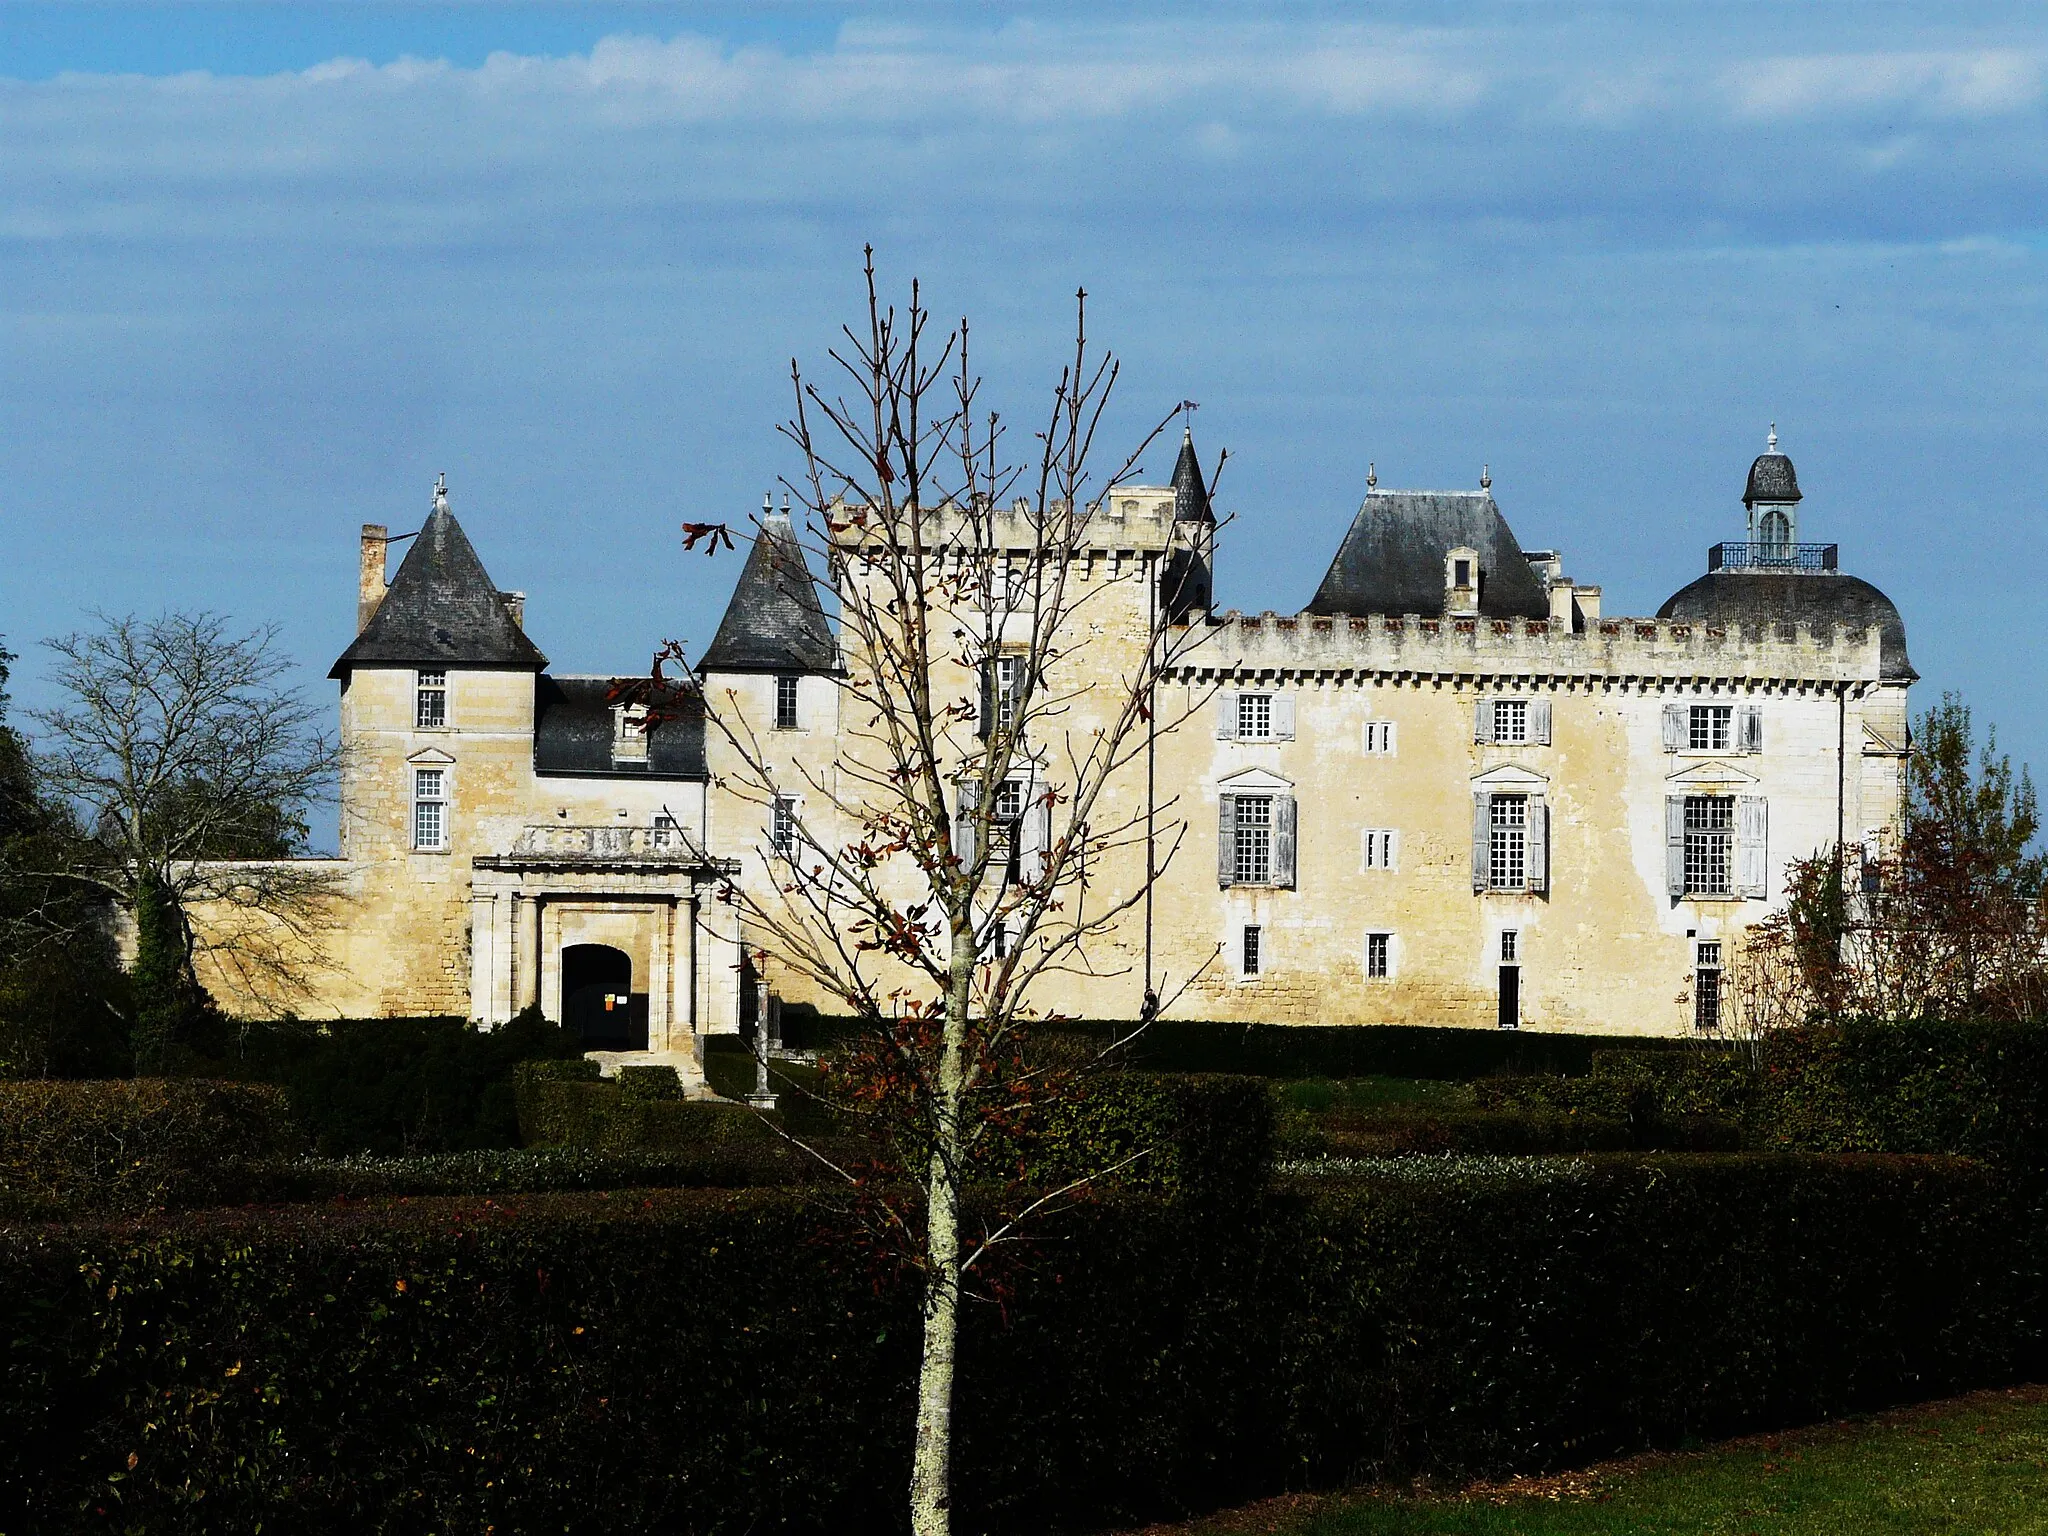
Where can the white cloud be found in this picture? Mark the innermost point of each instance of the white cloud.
(1984, 83)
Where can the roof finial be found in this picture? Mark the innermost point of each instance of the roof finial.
(767, 503)
(1372, 475)
(1486, 477)
(1772, 440)
(785, 503)
(441, 492)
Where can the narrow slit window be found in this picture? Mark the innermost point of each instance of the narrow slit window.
(1254, 945)
(1379, 738)
(782, 829)
(785, 703)
(1379, 956)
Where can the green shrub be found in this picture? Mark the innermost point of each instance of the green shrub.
(537, 1170)
(565, 1108)
(392, 1086)
(677, 1362)
(647, 1085)
(1908, 1086)
(132, 1143)
(1182, 1135)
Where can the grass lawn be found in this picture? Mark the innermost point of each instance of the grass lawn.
(1975, 1464)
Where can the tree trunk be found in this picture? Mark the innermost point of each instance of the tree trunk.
(931, 1466)
(161, 976)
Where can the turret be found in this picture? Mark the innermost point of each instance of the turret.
(1186, 584)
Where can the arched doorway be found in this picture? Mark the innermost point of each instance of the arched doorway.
(598, 1000)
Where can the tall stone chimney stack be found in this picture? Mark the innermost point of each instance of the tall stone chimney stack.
(370, 586)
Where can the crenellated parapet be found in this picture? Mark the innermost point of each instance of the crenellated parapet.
(1610, 653)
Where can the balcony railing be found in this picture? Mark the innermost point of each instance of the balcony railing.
(1771, 557)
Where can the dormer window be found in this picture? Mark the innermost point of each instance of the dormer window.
(430, 701)
(1461, 581)
(629, 733)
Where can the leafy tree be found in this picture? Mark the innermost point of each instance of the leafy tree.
(1954, 924)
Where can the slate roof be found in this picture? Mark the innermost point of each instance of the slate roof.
(443, 610)
(1392, 559)
(1771, 479)
(572, 734)
(1190, 495)
(773, 623)
(1756, 598)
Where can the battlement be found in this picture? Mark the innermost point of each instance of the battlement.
(1608, 651)
(1136, 518)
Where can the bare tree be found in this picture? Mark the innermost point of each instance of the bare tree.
(986, 823)
(194, 768)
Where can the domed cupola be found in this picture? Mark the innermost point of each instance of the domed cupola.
(1772, 500)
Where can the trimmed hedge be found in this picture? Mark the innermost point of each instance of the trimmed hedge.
(1198, 1136)
(400, 1086)
(132, 1143)
(566, 1104)
(669, 1362)
(1374, 1050)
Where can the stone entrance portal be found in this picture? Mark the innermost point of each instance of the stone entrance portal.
(599, 1001)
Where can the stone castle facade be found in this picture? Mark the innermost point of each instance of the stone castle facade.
(1449, 790)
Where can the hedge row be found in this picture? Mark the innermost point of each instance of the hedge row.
(1511, 1131)
(1856, 1085)
(132, 1143)
(696, 1362)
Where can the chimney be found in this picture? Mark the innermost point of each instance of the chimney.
(1588, 599)
(370, 585)
(1562, 605)
(515, 604)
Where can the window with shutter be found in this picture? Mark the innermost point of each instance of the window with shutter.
(1752, 859)
(1226, 716)
(1034, 835)
(1539, 843)
(1507, 852)
(1482, 721)
(1709, 845)
(1283, 717)
(1539, 722)
(1752, 728)
(1283, 841)
(963, 823)
(1482, 811)
(1226, 840)
(1676, 727)
(1674, 839)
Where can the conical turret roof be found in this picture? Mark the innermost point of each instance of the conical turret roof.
(442, 610)
(773, 623)
(1190, 496)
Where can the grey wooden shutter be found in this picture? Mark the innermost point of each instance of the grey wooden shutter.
(1751, 717)
(1674, 727)
(1752, 862)
(1283, 717)
(1226, 839)
(1226, 716)
(1034, 833)
(1539, 722)
(988, 698)
(1283, 840)
(1538, 861)
(1482, 720)
(1674, 843)
(963, 823)
(1482, 809)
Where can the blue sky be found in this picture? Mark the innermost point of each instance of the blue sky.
(265, 270)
